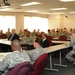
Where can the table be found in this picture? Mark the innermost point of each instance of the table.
(2, 55)
(5, 41)
(8, 43)
(56, 47)
(53, 49)
(66, 42)
(56, 38)
(49, 50)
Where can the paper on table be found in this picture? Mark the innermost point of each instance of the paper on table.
(2, 55)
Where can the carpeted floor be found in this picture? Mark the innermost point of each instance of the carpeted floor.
(69, 70)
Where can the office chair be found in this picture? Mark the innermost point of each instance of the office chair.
(3, 36)
(39, 65)
(50, 40)
(20, 69)
(49, 37)
(62, 38)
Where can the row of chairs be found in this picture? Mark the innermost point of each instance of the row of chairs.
(50, 38)
(61, 38)
(3, 36)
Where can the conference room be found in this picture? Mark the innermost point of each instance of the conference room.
(32, 18)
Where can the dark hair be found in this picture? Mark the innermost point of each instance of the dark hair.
(38, 40)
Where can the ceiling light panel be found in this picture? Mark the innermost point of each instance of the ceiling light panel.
(32, 11)
(59, 9)
(5, 9)
(57, 13)
(66, 0)
(71, 12)
(31, 3)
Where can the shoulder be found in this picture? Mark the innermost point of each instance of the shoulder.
(16, 34)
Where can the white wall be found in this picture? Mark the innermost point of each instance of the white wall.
(69, 22)
(54, 21)
(62, 21)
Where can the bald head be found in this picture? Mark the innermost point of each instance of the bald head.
(15, 45)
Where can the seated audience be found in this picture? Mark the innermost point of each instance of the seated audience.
(38, 32)
(8, 33)
(40, 35)
(1, 32)
(2, 35)
(21, 33)
(28, 39)
(53, 32)
(35, 53)
(13, 36)
(69, 56)
(49, 32)
(14, 58)
(34, 33)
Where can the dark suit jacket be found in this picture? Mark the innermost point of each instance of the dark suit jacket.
(45, 43)
(14, 37)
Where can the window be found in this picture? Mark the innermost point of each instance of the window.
(32, 23)
(7, 22)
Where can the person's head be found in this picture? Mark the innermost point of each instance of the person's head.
(13, 31)
(44, 36)
(73, 35)
(8, 29)
(1, 31)
(49, 31)
(15, 45)
(28, 33)
(20, 30)
(37, 42)
(34, 30)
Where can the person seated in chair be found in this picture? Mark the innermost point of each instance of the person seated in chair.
(14, 58)
(69, 56)
(35, 53)
(13, 36)
(45, 41)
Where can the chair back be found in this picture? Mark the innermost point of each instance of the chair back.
(20, 69)
(63, 38)
(24, 71)
(3, 36)
(49, 37)
(39, 65)
(50, 40)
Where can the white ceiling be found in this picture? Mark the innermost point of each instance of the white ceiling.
(44, 7)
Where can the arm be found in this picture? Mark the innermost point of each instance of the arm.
(4, 64)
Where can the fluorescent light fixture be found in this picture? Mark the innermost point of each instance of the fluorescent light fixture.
(58, 13)
(71, 12)
(5, 9)
(32, 11)
(59, 9)
(31, 3)
(66, 0)
(4, 6)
